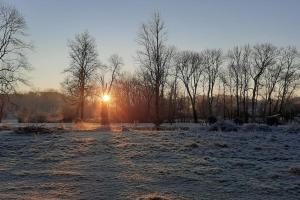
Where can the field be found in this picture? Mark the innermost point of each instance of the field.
(142, 164)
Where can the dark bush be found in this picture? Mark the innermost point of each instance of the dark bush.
(225, 126)
(211, 120)
(272, 120)
(295, 170)
(238, 121)
(39, 118)
(32, 129)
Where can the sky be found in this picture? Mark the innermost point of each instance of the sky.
(191, 24)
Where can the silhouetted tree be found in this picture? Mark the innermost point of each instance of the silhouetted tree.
(264, 56)
(238, 68)
(246, 64)
(13, 45)
(190, 68)
(290, 75)
(107, 78)
(270, 81)
(82, 71)
(154, 58)
(173, 95)
(212, 60)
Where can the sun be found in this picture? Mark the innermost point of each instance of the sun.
(106, 98)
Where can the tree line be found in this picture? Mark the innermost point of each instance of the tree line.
(245, 82)
(248, 82)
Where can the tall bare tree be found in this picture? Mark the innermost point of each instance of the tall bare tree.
(238, 66)
(212, 62)
(154, 58)
(190, 68)
(82, 71)
(235, 68)
(173, 97)
(264, 56)
(107, 77)
(246, 64)
(13, 46)
(289, 78)
(271, 78)
(148, 94)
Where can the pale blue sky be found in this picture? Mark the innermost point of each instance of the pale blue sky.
(192, 24)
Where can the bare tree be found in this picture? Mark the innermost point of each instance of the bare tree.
(264, 56)
(212, 63)
(238, 64)
(109, 73)
(107, 78)
(154, 58)
(148, 94)
(82, 71)
(224, 80)
(235, 68)
(13, 46)
(246, 64)
(271, 79)
(133, 98)
(172, 97)
(189, 65)
(290, 75)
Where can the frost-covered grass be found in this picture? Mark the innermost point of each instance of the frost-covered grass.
(90, 162)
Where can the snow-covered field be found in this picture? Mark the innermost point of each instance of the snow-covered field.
(140, 164)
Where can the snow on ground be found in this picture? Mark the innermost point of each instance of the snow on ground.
(251, 163)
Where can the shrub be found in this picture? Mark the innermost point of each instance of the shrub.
(225, 126)
(238, 121)
(272, 120)
(38, 130)
(39, 118)
(211, 120)
(295, 170)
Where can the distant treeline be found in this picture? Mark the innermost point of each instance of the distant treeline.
(129, 104)
(244, 83)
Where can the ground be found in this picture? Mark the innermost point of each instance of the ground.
(137, 163)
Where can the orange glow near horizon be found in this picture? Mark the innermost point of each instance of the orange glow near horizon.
(106, 98)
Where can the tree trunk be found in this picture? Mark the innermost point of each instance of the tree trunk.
(104, 114)
(270, 106)
(195, 116)
(231, 105)
(224, 103)
(245, 109)
(1, 111)
(82, 88)
(82, 105)
(237, 102)
(253, 100)
(157, 117)
(82, 109)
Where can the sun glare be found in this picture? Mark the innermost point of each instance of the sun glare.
(106, 98)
